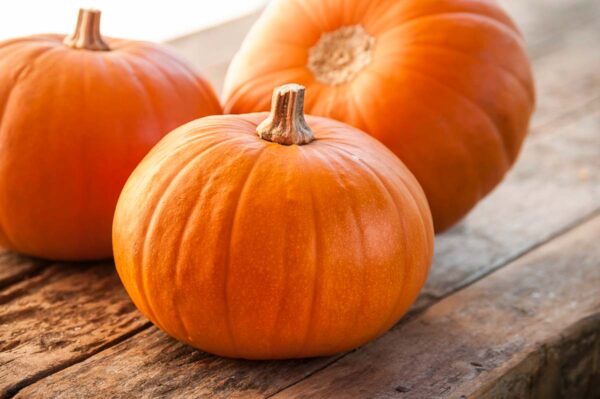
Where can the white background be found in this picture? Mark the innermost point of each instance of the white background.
(154, 20)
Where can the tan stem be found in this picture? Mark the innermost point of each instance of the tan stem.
(87, 32)
(286, 124)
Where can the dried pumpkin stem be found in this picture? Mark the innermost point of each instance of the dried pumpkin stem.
(87, 32)
(286, 124)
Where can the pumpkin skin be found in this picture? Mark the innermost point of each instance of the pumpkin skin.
(247, 248)
(448, 87)
(74, 125)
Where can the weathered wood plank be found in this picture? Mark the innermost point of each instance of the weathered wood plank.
(187, 372)
(565, 367)
(544, 21)
(14, 267)
(550, 167)
(554, 185)
(485, 334)
(567, 79)
(53, 319)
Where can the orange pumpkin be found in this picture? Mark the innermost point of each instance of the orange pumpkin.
(445, 84)
(77, 116)
(285, 245)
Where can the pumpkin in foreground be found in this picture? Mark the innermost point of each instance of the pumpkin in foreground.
(79, 113)
(270, 236)
(445, 84)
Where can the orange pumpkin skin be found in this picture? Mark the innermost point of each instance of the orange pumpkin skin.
(448, 88)
(75, 123)
(247, 248)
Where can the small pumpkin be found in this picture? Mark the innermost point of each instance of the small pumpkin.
(272, 236)
(445, 84)
(78, 114)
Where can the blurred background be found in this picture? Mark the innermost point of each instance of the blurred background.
(189, 27)
(137, 19)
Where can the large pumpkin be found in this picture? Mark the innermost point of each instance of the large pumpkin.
(289, 245)
(78, 114)
(445, 84)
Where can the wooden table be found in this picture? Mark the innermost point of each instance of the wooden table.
(511, 308)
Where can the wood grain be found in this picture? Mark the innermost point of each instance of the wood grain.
(566, 367)
(555, 185)
(546, 184)
(53, 319)
(14, 267)
(543, 22)
(488, 333)
(567, 80)
(153, 365)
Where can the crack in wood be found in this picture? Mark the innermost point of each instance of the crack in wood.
(16, 268)
(11, 391)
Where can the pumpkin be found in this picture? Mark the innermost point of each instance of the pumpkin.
(272, 236)
(445, 84)
(78, 114)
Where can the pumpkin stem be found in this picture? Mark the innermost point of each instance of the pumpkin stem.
(286, 124)
(87, 32)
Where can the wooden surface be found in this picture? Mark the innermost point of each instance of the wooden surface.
(511, 307)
